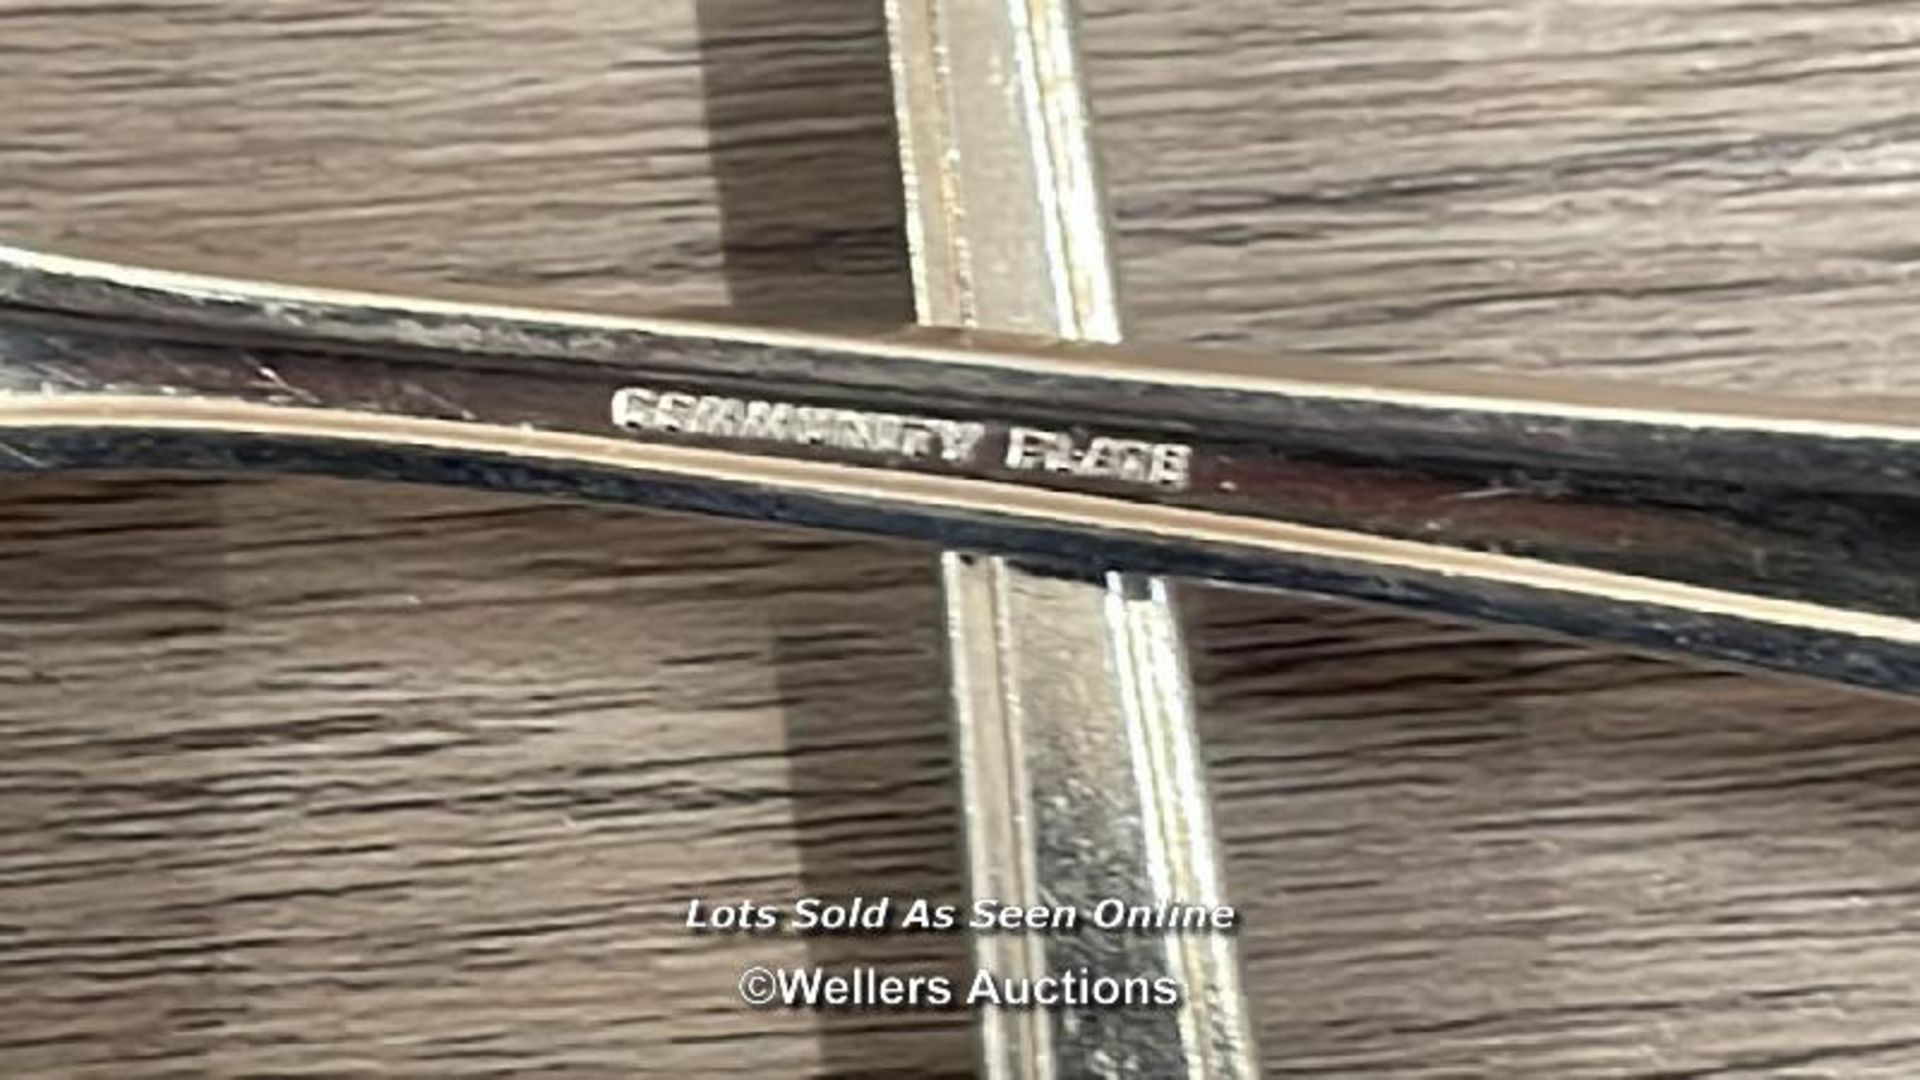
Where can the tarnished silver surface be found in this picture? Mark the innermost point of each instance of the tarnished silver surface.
(1776, 533)
(1080, 778)
(1084, 787)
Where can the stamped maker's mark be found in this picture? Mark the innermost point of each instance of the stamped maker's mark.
(957, 443)
(718, 416)
(1165, 465)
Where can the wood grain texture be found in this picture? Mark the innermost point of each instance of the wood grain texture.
(331, 779)
(1463, 853)
(316, 779)
(310, 779)
(1715, 193)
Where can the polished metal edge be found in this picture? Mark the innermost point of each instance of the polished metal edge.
(1200, 385)
(1197, 386)
(105, 431)
(1754, 535)
(1080, 775)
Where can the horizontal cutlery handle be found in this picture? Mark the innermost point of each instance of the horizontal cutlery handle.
(1781, 534)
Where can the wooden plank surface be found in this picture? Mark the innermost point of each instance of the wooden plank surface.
(1462, 853)
(317, 779)
(308, 779)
